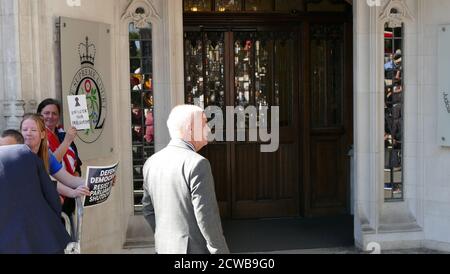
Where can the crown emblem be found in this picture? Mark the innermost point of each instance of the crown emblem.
(87, 52)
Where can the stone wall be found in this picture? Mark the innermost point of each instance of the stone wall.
(30, 71)
(422, 219)
(436, 159)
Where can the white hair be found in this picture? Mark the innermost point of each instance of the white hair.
(181, 118)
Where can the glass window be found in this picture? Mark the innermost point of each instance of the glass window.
(193, 50)
(228, 5)
(243, 70)
(264, 72)
(393, 112)
(141, 94)
(197, 5)
(204, 55)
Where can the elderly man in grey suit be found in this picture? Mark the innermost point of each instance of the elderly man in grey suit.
(179, 197)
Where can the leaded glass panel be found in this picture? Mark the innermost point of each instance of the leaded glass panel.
(228, 5)
(393, 112)
(141, 95)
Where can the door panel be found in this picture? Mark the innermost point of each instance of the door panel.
(327, 170)
(263, 187)
(327, 179)
(218, 156)
(264, 69)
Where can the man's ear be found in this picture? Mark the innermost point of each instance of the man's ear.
(188, 132)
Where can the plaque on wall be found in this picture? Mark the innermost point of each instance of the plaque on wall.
(443, 58)
(86, 70)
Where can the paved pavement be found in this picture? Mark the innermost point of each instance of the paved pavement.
(339, 250)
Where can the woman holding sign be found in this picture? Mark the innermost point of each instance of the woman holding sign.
(61, 144)
(33, 131)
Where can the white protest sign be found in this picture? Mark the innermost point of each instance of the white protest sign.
(99, 180)
(79, 115)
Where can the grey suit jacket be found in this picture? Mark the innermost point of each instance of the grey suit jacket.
(180, 202)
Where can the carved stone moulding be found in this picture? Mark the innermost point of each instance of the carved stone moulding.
(140, 12)
(394, 13)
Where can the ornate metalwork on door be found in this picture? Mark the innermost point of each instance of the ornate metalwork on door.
(263, 72)
(204, 69)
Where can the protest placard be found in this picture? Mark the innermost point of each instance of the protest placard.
(99, 180)
(79, 115)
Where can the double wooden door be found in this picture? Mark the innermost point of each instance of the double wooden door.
(301, 69)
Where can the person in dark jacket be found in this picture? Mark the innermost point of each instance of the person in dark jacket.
(30, 210)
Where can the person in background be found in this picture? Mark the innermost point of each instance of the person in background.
(61, 144)
(33, 131)
(149, 129)
(11, 137)
(179, 197)
(30, 211)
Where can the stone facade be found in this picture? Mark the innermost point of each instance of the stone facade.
(30, 72)
(422, 220)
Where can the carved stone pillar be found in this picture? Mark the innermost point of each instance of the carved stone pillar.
(13, 113)
(31, 106)
(10, 84)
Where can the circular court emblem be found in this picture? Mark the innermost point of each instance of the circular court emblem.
(87, 81)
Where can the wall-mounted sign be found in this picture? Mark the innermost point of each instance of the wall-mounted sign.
(86, 70)
(443, 128)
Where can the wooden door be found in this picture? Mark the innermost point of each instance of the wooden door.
(264, 73)
(249, 68)
(304, 66)
(327, 118)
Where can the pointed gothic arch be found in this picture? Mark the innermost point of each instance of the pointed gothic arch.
(141, 12)
(395, 12)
